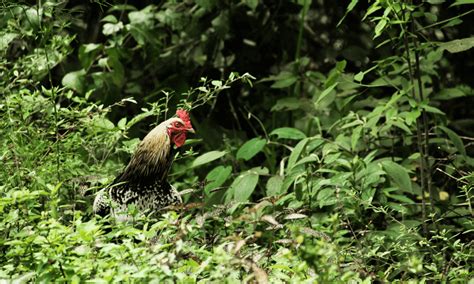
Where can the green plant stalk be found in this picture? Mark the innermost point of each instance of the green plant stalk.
(418, 129)
(297, 89)
(53, 97)
(424, 117)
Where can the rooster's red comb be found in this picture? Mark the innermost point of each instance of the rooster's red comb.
(184, 115)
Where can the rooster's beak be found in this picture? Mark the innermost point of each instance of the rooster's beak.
(191, 130)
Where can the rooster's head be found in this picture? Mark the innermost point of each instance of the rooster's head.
(177, 127)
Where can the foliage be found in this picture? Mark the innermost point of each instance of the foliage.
(345, 156)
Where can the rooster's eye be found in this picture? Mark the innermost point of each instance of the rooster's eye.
(177, 124)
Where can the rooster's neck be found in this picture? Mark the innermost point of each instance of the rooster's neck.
(152, 159)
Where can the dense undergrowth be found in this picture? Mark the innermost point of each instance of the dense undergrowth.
(333, 145)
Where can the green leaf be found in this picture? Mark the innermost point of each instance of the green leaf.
(103, 123)
(122, 123)
(217, 177)
(450, 93)
(455, 139)
(110, 28)
(400, 125)
(326, 92)
(359, 76)
(75, 80)
(251, 148)
(380, 27)
(412, 116)
(296, 153)
(401, 198)
(288, 133)
(287, 103)
(283, 83)
(462, 2)
(87, 53)
(326, 197)
(431, 109)
(349, 9)
(398, 174)
(207, 158)
(109, 19)
(242, 187)
(5, 39)
(252, 4)
(274, 185)
(458, 45)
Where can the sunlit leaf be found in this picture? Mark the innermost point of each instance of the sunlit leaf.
(288, 133)
(75, 80)
(242, 187)
(458, 45)
(251, 148)
(207, 158)
(274, 185)
(326, 92)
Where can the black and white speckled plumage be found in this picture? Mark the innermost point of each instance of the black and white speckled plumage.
(143, 182)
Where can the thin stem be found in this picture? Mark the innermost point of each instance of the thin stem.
(418, 129)
(424, 115)
(53, 97)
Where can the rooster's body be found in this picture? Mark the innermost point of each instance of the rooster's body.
(144, 180)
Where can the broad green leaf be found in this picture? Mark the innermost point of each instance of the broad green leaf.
(288, 103)
(143, 18)
(380, 27)
(252, 4)
(87, 54)
(288, 133)
(217, 177)
(398, 174)
(216, 83)
(368, 194)
(251, 148)
(139, 117)
(452, 23)
(206, 4)
(412, 116)
(5, 39)
(122, 123)
(401, 198)
(207, 158)
(109, 19)
(296, 153)
(359, 76)
(401, 125)
(103, 123)
(242, 187)
(283, 83)
(75, 80)
(274, 185)
(355, 137)
(326, 197)
(431, 109)
(462, 2)
(309, 159)
(450, 93)
(326, 92)
(373, 8)
(458, 45)
(455, 139)
(109, 28)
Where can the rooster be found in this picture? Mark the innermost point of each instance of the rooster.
(144, 181)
